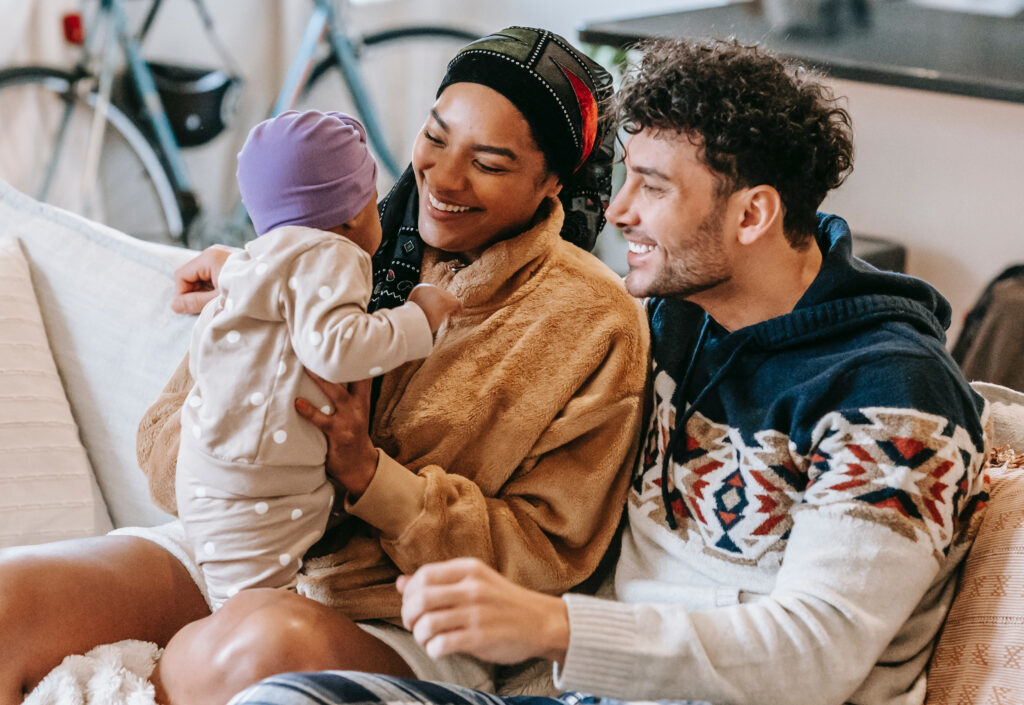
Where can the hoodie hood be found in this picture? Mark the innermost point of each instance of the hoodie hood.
(847, 297)
(849, 293)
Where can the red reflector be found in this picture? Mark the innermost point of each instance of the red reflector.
(73, 28)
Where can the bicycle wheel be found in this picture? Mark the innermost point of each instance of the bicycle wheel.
(419, 55)
(45, 121)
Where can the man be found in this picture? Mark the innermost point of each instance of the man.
(810, 475)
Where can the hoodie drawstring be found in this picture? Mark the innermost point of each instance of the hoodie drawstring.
(679, 429)
(669, 514)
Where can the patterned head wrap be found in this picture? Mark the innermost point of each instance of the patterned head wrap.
(561, 93)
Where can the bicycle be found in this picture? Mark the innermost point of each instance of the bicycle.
(88, 151)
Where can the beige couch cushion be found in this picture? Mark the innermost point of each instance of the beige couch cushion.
(47, 490)
(104, 301)
(980, 654)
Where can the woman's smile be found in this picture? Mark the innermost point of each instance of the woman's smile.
(445, 206)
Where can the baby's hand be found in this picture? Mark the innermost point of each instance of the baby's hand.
(437, 303)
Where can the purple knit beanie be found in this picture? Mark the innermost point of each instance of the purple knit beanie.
(305, 168)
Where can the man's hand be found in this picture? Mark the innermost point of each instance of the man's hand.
(351, 457)
(462, 606)
(437, 303)
(195, 282)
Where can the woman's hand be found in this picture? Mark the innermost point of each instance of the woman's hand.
(351, 457)
(195, 282)
(462, 606)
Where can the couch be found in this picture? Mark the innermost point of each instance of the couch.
(97, 300)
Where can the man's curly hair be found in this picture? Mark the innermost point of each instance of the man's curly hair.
(759, 120)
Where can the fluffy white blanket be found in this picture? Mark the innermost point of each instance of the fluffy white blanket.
(112, 674)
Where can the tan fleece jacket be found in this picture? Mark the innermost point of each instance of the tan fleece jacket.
(512, 442)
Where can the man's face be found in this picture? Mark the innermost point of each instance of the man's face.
(672, 217)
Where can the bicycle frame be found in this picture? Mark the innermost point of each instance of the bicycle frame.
(107, 32)
(110, 23)
(323, 25)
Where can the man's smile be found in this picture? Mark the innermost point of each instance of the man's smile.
(640, 248)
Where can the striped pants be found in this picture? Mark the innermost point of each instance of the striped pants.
(352, 688)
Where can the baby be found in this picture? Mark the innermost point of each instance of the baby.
(252, 489)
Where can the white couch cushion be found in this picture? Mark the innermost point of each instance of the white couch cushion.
(47, 491)
(1007, 409)
(104, 300)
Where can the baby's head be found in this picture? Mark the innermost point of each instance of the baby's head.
(313, 169)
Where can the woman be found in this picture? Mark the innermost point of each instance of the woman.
(510, 443)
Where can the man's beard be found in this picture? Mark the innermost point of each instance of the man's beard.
(702, 265)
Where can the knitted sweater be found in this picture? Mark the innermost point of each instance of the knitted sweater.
(511, 442)
(804, 493)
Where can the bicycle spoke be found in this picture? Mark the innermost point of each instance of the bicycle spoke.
(58, 148)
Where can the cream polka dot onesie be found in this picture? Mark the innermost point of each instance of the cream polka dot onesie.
(251, 485)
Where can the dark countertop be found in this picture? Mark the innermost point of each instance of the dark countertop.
(906, 45)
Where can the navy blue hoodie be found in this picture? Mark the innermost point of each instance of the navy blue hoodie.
(857, 339)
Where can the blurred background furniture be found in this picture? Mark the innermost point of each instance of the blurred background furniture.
(885, 254)
(899, 44)
(991, 345)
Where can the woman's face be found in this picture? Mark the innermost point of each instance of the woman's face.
(480, 175)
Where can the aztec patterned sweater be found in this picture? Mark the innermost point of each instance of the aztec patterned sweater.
(805, 491)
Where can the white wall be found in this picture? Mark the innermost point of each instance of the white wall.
(943, 175)
(561, 16)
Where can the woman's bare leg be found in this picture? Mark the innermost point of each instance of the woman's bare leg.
(260, 633)
(67, 597)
